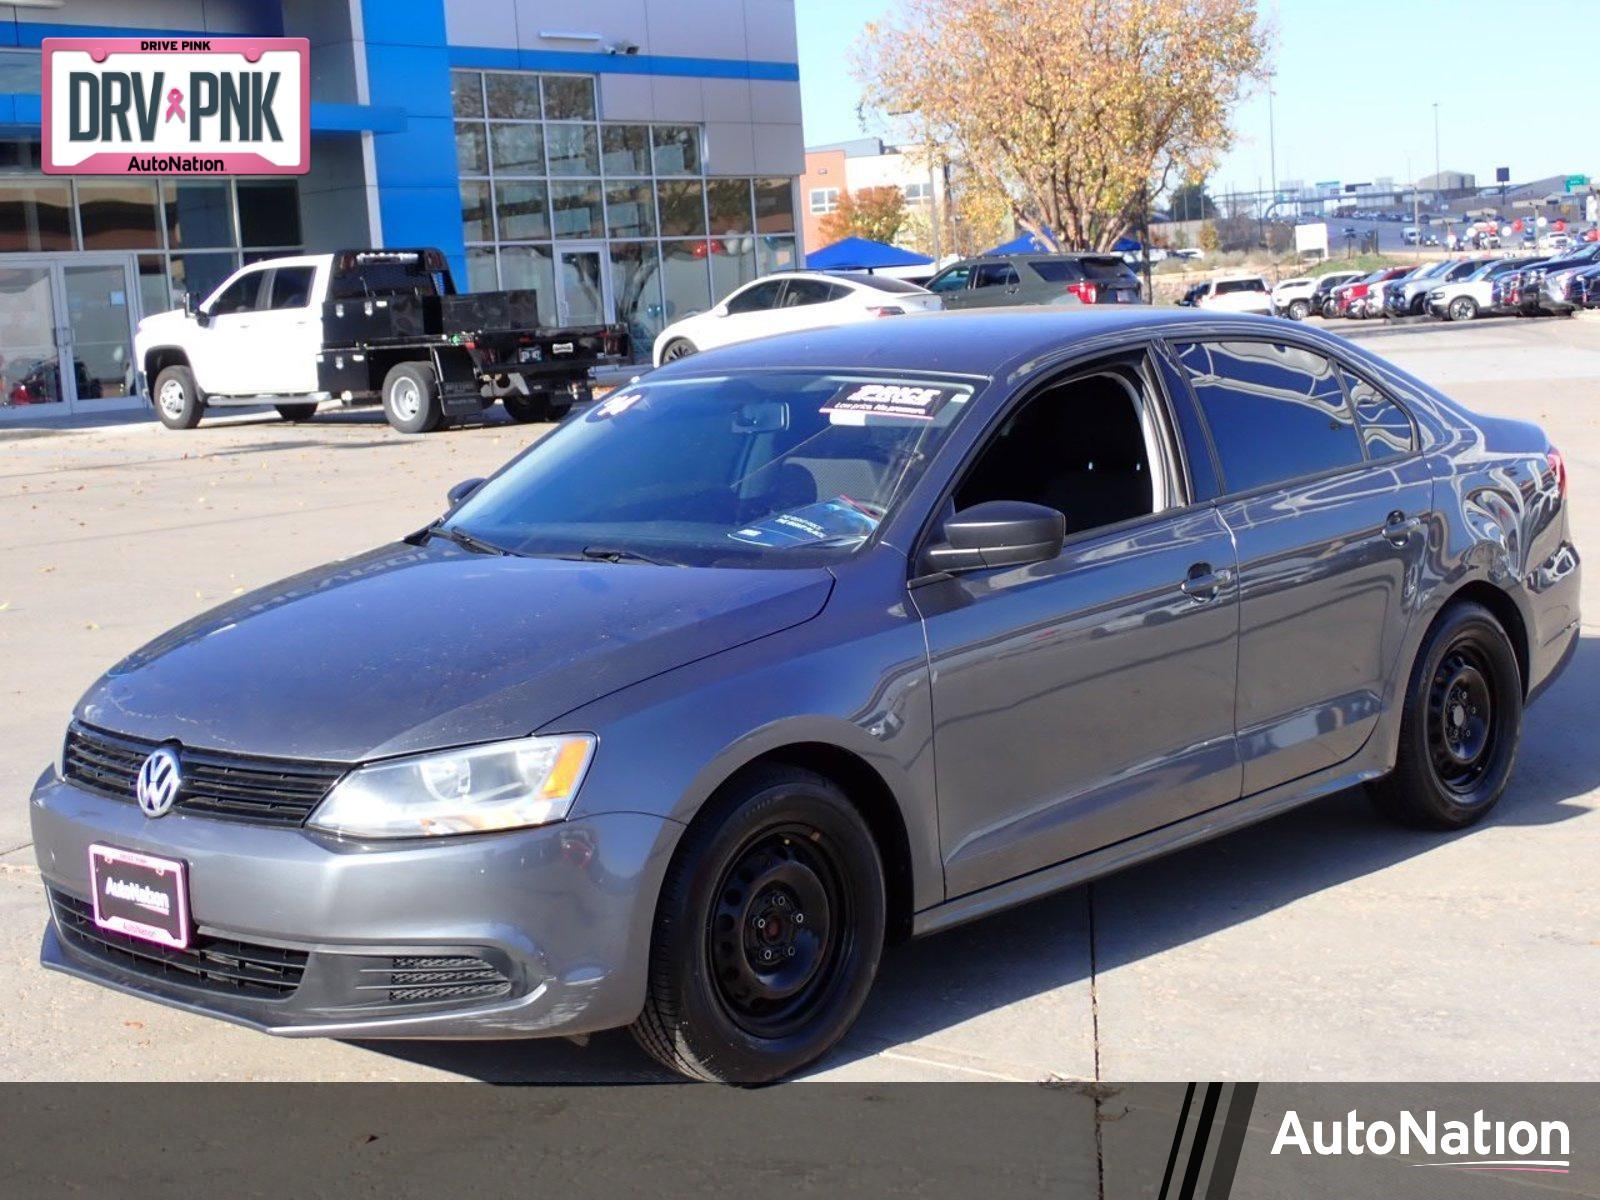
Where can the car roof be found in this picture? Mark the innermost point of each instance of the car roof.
(986, 342)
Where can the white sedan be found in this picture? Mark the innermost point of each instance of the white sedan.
(792, 301)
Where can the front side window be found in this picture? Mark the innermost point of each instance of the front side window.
(239, 296)
(766, 469)
(995, 275)
(757, 298)
(1227, 286)
(1275, 412)
(953, 280)
(1082, 447)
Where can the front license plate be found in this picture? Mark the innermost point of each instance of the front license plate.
(140, 895)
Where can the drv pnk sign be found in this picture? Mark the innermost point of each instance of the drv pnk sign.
(176, 106)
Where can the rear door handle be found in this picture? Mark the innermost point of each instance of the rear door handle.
(1202, 583)
(1399, 527)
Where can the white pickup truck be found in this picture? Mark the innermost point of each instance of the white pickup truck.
(360, 326)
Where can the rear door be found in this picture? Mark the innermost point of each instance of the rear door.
(996, 283)
(1331, 523)
(812, 303)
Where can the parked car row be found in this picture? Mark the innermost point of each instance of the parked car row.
(794, 300)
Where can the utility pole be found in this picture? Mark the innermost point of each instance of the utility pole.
(1438, 183)
(1272, 141)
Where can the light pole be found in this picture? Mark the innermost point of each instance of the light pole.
(1272, 141)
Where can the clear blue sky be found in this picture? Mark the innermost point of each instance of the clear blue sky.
(1402, 55)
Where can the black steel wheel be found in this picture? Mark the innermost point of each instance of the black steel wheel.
(768, 931)
(1461, 725)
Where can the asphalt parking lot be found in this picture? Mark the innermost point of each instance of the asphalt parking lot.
(1320, 945)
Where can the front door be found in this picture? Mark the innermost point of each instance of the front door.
(66, 334)
(1090, 698)
(583, 286)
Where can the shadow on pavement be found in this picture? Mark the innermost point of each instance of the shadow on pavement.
(935, 983)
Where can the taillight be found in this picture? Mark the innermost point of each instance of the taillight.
(1558, 464)
(886, 310)
(1084, 290)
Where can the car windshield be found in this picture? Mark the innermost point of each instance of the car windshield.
(757, 469)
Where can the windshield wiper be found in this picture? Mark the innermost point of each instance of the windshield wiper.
(615, 554)
(466, 540)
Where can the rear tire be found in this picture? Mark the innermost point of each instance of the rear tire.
(178, 400)
(1461, 725)
(535, 406)
(767, 933)
(411, 398)
(1299, 310)
(296, 412)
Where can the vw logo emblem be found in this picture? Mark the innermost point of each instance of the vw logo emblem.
(159, 780)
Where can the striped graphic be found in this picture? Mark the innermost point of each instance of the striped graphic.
(1205, 1151)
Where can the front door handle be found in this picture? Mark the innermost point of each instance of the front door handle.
(1398, 528)
(1202, 583)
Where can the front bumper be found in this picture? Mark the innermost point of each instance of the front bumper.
(561, 914)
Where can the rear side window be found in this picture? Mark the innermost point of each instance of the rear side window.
(811, 291)
(1386, 430)
(1057, 270)
(291, 287)
(1275, 412)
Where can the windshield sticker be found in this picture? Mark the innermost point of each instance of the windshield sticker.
(829, 521)
(615, 406)
(853, 404)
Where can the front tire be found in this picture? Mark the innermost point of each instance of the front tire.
(296, 412)
(1462, 308)
(1461, 725)
(178, 400)
(677, 348)
(1299, 310)
(768, 931)
(411, 398)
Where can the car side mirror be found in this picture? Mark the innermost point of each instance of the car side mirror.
(191, 305)
(462, 490)
(998, 533)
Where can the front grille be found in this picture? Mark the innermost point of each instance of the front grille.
(215, 964)
(267, 791)
(420, 980)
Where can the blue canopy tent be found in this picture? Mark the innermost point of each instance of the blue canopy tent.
(863, 254)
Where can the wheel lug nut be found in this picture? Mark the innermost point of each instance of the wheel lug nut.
(766, 955)
(799, 918)
(781, 902)
(789, 952)
(761, 922)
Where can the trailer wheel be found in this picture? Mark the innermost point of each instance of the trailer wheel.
(535, 406)
(411, 398)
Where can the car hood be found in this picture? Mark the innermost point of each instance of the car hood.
(163, 325)
(410, 648)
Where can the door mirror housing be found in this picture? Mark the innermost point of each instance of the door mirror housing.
(462, 490)
(998, 533)
(191, 306)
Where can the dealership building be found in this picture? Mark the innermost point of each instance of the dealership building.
(632, 160)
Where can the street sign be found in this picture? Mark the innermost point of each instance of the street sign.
(1577, 183)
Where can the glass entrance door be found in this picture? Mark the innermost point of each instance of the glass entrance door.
(66, 334)
(583, 288)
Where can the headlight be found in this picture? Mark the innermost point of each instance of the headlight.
(502, 785)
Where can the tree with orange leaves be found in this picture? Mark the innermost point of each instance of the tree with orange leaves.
(1070, 108)
(875, 213)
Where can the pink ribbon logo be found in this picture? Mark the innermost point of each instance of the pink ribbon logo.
(174, 106)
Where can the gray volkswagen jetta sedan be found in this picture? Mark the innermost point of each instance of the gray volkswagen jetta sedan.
(799, 646)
